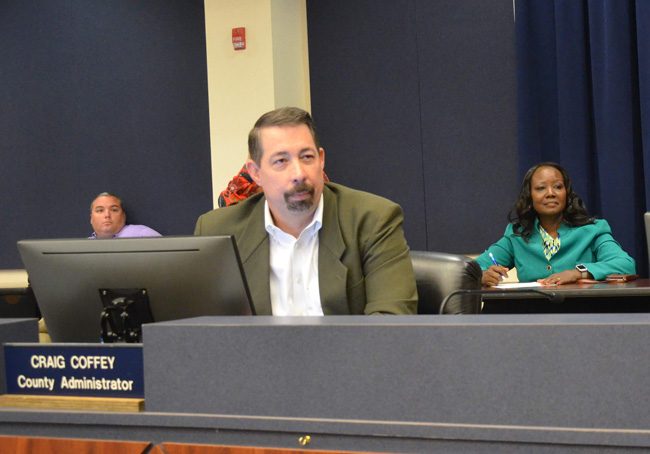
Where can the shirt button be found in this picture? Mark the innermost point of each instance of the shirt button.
(549, 267)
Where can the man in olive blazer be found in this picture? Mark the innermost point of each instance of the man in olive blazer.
(310, 248)
(363, 263)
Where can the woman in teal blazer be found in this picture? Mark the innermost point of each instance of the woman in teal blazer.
(551, 238)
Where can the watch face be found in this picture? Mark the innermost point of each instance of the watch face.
(581, 268)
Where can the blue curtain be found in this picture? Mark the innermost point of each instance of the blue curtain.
(584, 102)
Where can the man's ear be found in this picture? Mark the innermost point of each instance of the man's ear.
(253, 170)
(321, 154)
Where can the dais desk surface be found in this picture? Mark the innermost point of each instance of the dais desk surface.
(638, 287)
(473, 383)
(600, 297)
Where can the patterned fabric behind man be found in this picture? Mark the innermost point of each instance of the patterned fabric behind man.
(240, 188)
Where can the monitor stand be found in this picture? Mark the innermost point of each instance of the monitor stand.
(125, 310)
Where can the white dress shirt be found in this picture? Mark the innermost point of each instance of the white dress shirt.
(294, 267)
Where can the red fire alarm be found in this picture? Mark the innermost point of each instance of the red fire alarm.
(239, 38)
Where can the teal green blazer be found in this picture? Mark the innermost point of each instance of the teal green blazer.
(364, 266)
(591, 245)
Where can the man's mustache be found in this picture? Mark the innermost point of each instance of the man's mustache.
(302, 187)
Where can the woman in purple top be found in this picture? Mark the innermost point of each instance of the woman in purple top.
(108, 219)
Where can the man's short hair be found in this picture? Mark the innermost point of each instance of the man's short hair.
(107, 194)
(284, 116)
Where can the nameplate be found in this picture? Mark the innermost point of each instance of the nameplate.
(87, 370)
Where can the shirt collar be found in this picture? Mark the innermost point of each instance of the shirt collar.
(562, 229)
(315, 224)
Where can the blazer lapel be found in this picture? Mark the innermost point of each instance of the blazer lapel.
(332, 274)
(254, 251)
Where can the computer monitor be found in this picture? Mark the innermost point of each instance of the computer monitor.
(182, 277)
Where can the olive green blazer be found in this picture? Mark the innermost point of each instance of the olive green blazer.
(364, 265)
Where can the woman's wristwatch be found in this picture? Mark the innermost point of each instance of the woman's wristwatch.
(584, 272)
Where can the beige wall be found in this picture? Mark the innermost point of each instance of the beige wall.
(13, 278)
(272, 72)
(290, 53)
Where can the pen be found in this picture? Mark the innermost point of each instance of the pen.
(494, 261)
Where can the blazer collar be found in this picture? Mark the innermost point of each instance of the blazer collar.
(330, 235)
(332, 273)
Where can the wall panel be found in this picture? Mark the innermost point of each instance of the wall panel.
(101, 96)
(416, 101)
(467, 78)
(365, 100)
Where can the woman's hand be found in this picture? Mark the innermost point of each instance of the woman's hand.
(494, 275)
(565, 277)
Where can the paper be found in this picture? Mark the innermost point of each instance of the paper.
(519, 285)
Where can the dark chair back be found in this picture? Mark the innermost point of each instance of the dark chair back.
(437, 274)
(18, 303)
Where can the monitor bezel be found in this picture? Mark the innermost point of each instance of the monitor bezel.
(66, 275)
